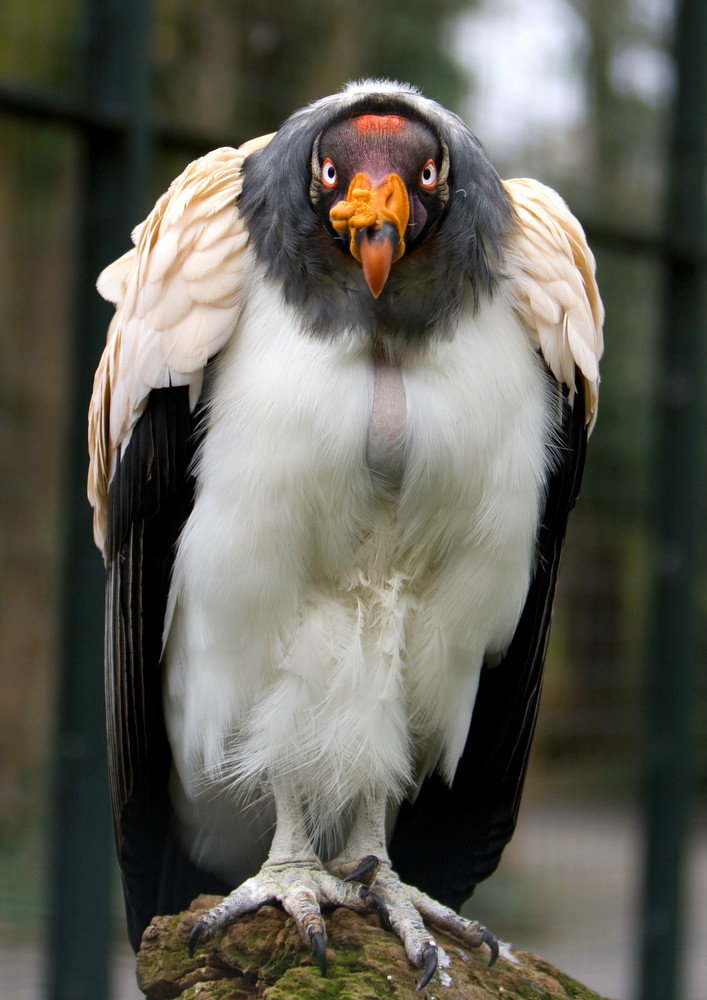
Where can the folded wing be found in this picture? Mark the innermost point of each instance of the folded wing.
(558, 297)
(177, 293)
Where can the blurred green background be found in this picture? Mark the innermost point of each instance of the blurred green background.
(574, 92)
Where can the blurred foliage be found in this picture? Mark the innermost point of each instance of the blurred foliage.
(629, 80)
(39, 41)
(234, 65)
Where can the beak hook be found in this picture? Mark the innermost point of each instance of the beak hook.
(377, 251)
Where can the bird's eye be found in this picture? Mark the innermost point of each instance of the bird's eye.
(428, 177)
(329, 175)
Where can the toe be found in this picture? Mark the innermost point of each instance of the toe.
(491, 941)
(471, 932)
(362, 870)
(301, 902)
(247, 897)
(197, 933)
(365, 870)
(318, 942)
(371, 896)
(429, 957)
(392, 898)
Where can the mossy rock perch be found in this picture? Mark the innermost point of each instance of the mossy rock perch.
(261, 955)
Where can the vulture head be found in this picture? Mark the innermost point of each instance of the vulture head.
(381, 207)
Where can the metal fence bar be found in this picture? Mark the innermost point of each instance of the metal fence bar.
(49, 106)
(672, 668)
(114, 166)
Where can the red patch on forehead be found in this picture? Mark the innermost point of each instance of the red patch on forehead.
(380, 123)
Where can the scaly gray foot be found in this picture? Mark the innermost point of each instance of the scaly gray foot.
(302, 888)
(405, 910)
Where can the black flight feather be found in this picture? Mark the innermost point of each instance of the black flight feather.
(150, 498)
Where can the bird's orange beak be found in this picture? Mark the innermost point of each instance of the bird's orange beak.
(376, 217)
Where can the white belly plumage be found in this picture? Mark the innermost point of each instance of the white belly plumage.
(326, 631)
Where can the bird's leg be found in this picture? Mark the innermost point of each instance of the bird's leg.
(366, 860)
(403, 908)
(292, 876)
(365, 848)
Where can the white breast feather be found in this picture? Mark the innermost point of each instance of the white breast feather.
(332, 638)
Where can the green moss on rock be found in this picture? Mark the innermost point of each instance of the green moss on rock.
(262, 955)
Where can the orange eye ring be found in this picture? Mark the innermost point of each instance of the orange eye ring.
(428, 176)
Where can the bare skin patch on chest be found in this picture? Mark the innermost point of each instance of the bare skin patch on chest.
(385, 446)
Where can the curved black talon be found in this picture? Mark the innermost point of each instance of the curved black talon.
(319, 948)
(491, 941)
(365, 866)
(430, 958)
(195, 936)
(367, 893)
